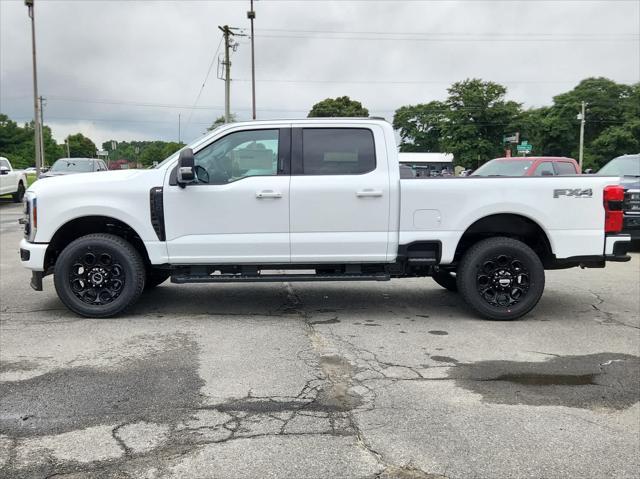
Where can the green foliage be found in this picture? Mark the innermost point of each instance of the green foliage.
(144, 152)
(17, 143)
(420, 126)
(341, 106)
(478, 117)
(471, 122)
(221, 121)
(80, 146)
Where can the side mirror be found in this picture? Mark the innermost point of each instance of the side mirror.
(588, 171)
(4, 170)
(186, 172)
(547, 173)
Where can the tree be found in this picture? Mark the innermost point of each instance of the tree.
(221, 120)
(420, 126)
(476, 120)
(341, 106)
(81, 147)
(614, 141)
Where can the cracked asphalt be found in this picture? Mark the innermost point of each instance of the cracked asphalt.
(320, 380)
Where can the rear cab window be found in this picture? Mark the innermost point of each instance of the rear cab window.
(337, 151)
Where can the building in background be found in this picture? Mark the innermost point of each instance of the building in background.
(428, 164)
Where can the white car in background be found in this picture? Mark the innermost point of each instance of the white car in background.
(12, 182)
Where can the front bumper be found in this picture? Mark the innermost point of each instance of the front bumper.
(616, 247)
(32, 255)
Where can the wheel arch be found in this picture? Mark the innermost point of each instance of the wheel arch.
(84, 225)
(512, 225)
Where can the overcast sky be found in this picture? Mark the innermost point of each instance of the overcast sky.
(127, 69)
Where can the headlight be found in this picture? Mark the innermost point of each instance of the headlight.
(30, 218)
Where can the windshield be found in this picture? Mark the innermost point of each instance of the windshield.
(504, 168)
(76, 165)
(622, 166)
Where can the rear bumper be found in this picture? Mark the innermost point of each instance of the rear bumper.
(616, 248)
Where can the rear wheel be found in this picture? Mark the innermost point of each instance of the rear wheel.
(99, 275)
(446, 279)
(501, 278)
(19, 194)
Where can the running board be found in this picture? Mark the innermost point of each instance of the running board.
(271, 278)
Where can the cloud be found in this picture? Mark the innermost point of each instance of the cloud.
(126, 70)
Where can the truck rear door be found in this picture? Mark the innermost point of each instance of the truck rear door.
(339, 194)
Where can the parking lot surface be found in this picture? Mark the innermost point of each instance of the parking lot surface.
(320, 380)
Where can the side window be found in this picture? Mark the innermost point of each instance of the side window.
(337, 151)
(545, 169)
(238, 155)
(4, 163)
(566, 168)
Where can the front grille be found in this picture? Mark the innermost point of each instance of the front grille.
(632, 201)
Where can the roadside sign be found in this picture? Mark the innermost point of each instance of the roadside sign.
(103, 153)
(524, 147)
(513, 139)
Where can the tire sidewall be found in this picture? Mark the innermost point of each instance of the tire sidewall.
(129, 265)
(17, 198)
(467, 276)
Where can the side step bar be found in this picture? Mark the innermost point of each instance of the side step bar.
(271, 278)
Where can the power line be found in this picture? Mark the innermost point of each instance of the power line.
(492, 35)
(213, 59)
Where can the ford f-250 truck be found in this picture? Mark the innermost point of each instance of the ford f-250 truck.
(312, 200)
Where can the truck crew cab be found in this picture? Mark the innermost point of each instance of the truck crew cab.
(314, 199)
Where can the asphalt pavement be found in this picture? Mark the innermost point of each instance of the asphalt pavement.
(320, 380)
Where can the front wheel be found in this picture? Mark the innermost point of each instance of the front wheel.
(99, 275)
(19, 194)
(501, 278)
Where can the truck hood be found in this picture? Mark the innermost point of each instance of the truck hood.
(102, 180)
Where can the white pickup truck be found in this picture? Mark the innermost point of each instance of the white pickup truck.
(12, 182)
(312, 200)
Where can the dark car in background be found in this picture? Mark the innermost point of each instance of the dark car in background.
(70, 166)
(529, 166)
(628, 168)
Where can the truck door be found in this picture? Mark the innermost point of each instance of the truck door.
(339, 195)
(238, 212)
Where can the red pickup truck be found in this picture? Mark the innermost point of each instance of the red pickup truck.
(529, 166)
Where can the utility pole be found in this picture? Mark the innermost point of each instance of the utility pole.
(36, 113)
(251, 15)
(66, 141)
(179, 128)
(582, 118)
(227, 73)
(43, 159)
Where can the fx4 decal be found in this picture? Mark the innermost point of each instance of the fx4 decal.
(574, 193)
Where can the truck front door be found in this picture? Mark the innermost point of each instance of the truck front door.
(340, 197)
(238, 212)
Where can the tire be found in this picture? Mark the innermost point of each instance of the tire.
(155, 277)
(99, 275)
(445, 279)
(501, 278)
(18, 195)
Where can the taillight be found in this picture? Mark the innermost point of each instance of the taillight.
(613, 197)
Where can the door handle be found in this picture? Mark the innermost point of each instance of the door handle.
(369, 193)
(268, 194)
